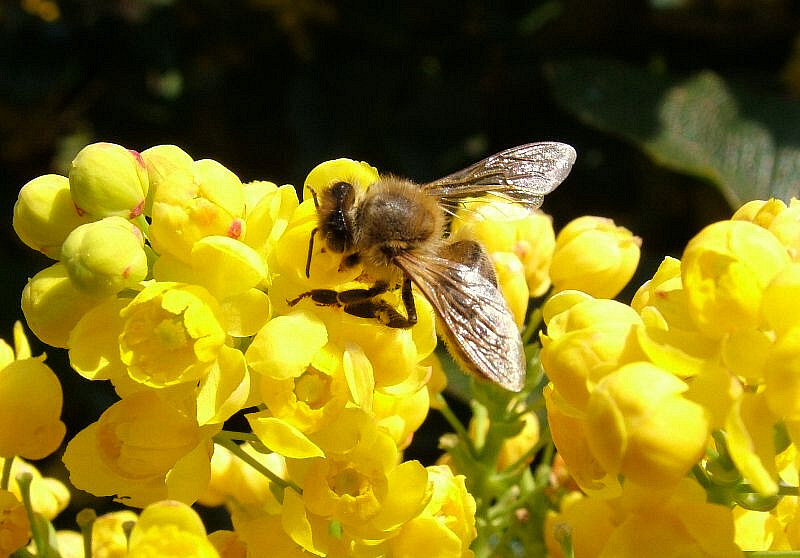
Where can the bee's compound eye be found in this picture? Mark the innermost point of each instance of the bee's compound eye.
(344, 193)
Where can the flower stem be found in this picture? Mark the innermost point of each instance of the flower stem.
(5, 476)
(39, 537)
(228, 443)
(456, 425)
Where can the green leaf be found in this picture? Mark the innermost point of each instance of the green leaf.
(747, 144)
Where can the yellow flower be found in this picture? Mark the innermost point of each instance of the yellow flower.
(640, 425)
(52, 304)
(447, 523)
(105, 256)
(760, 212)
(759, 530)
(205, 200)
(30, 404)
(49, 496)
(108, 535)
(511, 280)
(647, 523)
(237, 484)
(94, 351)
(776, 217)
(223, 265)
(781, 301)
(570, 435)
(170, 529)
(268, 210)
(44, 214)
(594, 255)
(14, 526)
(782, 377)
(586, 339)
(669, 336)
(725, 269)
(267, 532)
(400, 415)
(69, 544)
(161, 161)
(141, 450)
(749, 427)
(589, 522)
(505, 227)
(358, 483)
(172, 334)
(359, 174)
(106, 179)
(229, 545)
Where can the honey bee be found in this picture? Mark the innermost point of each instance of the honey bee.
(396, 230)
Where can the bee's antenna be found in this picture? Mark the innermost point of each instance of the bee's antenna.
(313, 195)
(310, 249)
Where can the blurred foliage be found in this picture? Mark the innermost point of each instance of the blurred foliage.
(272, 87)
(748, 144)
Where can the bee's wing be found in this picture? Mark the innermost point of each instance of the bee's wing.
(479, 327)
(523, 174)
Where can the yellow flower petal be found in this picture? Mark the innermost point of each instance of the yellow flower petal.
(281, 437)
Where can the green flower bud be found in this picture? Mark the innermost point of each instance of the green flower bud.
(106, 256)
(45, 214)
(107, 179)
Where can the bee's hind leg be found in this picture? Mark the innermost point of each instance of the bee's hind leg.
(330, 297)
(362, 303)
(383, 311)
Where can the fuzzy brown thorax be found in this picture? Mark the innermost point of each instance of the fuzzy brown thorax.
(393, 216)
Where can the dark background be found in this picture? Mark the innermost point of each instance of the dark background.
(270, 88)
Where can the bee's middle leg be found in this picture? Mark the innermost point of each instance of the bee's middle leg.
(330, 297)
(362, 303)
(384, 312)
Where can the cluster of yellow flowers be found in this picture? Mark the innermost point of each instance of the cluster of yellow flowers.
(160, 286)
(700, 373)
(674, 417)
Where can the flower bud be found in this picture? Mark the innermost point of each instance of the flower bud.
(15, 525)
(594, 255)
(106, 256)
(511, 279)
(161, 161)
(759, 212)
(45, 214)
(205, 200)
(106, 179)
(786, 228)
(780, 304)
(502, 226)
(585, 342)
(31, 410)
(640, 425)
(725, 269)
(521, 445)
(52, 305)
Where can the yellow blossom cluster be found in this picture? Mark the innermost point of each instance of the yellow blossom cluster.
(186, 289)
(173, 280)
(698, 374)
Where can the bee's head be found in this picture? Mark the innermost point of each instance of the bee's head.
(336, 216)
